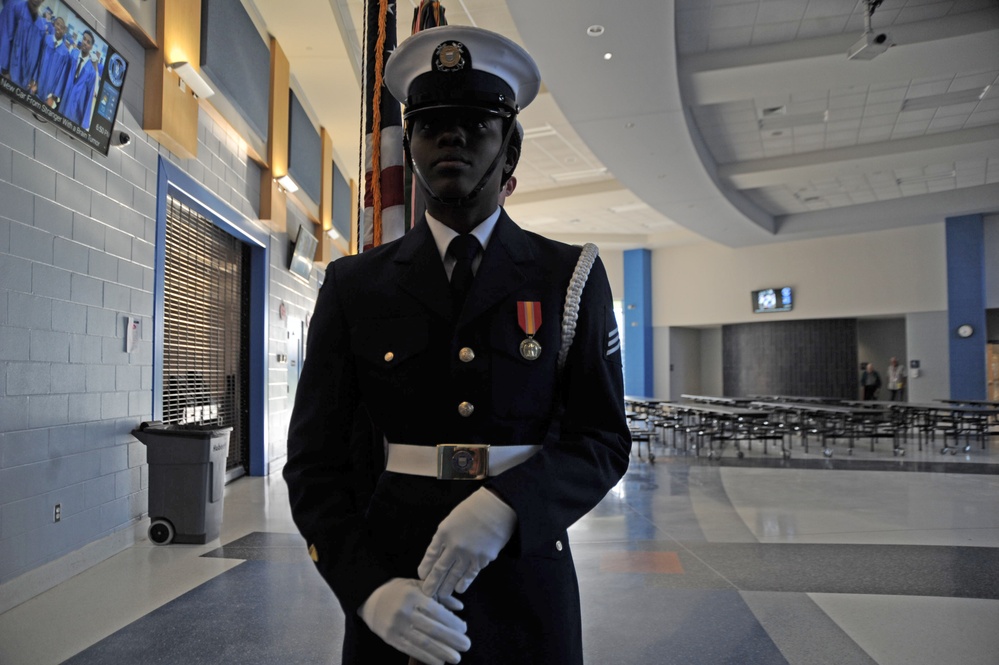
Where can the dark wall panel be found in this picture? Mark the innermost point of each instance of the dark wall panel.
(237, 59)
(342, 203)
(810, 358)
(305, 150)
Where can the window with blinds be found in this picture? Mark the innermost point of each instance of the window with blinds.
(205, 328)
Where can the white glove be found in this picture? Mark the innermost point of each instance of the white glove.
(466, 542)
(415, 624)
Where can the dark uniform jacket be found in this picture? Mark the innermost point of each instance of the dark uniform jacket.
(383, 359)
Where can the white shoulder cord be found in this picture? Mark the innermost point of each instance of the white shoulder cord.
(573, 294)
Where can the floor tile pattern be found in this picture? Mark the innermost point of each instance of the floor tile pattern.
(854, 559)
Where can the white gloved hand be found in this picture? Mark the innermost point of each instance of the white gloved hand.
(466, 542)
(415, 624)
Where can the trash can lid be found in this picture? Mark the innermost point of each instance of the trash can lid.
(188, 430)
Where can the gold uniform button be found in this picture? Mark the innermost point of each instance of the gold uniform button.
(465, 409)
(466, 355)
(558, 545)
(389, 356)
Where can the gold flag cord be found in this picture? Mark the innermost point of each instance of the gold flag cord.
(376, 124)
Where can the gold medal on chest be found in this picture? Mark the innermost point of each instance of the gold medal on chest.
(529, 318)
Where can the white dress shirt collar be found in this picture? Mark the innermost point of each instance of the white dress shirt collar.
(443, 235)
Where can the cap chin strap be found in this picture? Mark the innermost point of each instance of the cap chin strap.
(462, 200)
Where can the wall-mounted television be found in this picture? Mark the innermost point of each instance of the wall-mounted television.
(303, 254)
(772, 300)
(56, 64)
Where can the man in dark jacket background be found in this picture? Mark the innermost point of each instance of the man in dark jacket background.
(870, 381)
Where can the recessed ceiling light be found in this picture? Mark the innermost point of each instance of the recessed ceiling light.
(807, 195)
(629, 207)
(931, 177)
(539, 132)
(595, 30)
(774, 122)
(608, 56)
(540, 221)
(946, 99)
(579, 175)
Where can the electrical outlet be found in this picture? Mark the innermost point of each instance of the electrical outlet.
(58, 512)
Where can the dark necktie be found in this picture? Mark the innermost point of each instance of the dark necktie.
(463, 248)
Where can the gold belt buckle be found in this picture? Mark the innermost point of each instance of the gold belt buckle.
(462, 461)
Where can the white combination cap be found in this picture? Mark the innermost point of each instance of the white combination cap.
(462, 66)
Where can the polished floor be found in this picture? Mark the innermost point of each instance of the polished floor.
(867, 557)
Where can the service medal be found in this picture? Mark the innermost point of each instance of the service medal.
(530, 349)
(529, 318)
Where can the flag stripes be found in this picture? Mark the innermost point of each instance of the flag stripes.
(384, 203)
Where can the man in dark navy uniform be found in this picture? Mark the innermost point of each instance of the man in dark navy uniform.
(444, 539)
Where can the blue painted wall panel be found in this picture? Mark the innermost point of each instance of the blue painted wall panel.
(638, 358)
(966, 305)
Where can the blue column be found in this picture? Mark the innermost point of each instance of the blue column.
(638, 362)
(966, 305)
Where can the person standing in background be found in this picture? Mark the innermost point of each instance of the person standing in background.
(870, 381)
(896, 380)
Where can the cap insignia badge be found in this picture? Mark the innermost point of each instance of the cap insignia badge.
(450, 57)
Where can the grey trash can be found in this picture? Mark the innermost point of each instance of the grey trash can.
(186, 480)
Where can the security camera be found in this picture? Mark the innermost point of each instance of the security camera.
(871, 45)
(123, 139)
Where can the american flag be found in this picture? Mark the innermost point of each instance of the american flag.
(384, 199)
(428, 14)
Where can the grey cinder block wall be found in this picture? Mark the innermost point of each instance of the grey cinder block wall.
(77, 248)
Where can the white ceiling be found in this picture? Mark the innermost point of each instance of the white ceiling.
(739, 121)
